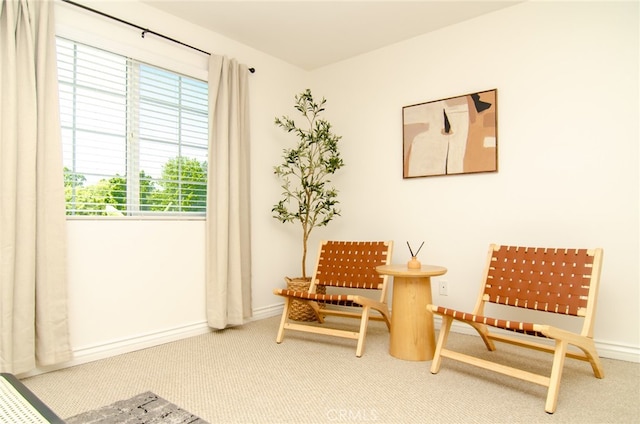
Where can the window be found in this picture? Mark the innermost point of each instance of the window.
(135, 137)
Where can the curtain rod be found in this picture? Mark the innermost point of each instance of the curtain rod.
(144, 30)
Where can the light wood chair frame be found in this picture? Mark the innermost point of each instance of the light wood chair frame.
(565, 281)
(355, 272)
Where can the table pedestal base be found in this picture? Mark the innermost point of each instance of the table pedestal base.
(412, 331)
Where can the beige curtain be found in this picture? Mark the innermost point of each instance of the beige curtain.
(228, 243)
(33, 294)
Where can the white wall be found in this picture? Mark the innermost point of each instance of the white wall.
(137, 283)
(567, 80)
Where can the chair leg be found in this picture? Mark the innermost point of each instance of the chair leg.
(556, 375)
(317, 311)
(283, 320)
(386, 318)
(484, 334)
(442, 341)
(364, 322)
(589, 349)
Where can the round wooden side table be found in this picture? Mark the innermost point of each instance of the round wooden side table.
(412, 332)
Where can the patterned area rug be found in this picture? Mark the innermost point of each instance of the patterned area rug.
(145, 408)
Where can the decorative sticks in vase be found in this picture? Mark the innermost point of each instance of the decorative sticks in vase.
(414, 263)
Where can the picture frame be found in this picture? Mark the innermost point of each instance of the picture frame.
(456, 135)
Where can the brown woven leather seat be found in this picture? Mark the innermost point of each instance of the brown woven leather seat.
(348, 265)
(517, 326)
(331, 299)
(555, 281)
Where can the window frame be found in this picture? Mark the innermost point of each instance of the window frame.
(132, 172)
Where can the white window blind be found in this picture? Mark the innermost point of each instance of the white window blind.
(135, 137)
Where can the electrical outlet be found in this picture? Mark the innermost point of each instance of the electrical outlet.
(443, 287)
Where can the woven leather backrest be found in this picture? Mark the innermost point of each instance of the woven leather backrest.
(351, 264)
(552, 280)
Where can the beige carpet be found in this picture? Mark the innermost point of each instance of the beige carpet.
(241, 375)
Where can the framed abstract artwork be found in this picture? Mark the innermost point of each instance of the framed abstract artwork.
(457, 135)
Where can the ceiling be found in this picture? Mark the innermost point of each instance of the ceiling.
(312, 34)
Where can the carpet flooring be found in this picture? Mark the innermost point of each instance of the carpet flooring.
(145, 408)
(241, 375)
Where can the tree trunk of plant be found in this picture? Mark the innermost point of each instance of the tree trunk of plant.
(304, 254)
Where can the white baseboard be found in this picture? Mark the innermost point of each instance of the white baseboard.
(267, 312)
(87, 354)
(83, 355)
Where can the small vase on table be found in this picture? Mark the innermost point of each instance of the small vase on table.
(414, 263)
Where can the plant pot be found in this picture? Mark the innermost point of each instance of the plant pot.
(300, 311)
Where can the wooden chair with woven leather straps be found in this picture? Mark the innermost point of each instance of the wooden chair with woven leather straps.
(347, 265)
(556, 281)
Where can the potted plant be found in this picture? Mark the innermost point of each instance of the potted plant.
(308, 198)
